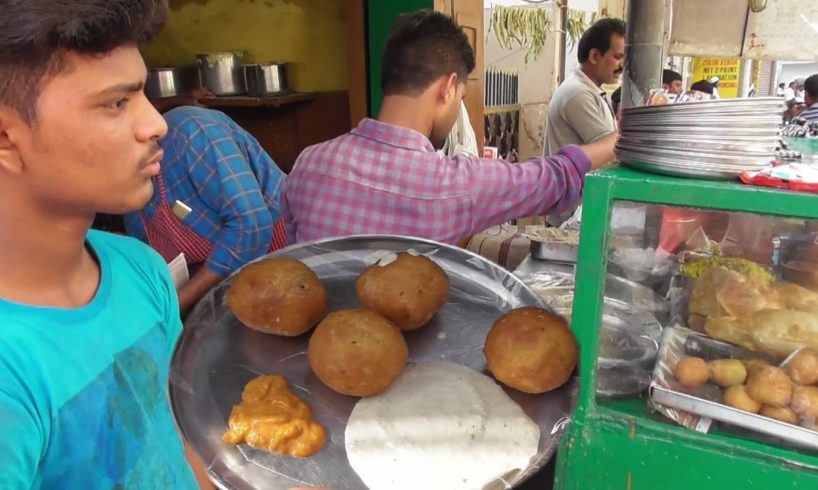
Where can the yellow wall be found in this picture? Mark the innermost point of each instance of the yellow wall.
(311, 34)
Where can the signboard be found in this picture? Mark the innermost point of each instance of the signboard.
(783, 30)
(725, 68)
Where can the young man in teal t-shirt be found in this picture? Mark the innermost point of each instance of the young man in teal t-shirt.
(88, 321)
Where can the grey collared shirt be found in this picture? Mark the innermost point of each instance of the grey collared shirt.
(579, 113)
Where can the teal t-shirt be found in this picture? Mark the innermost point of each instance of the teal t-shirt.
(83, 391)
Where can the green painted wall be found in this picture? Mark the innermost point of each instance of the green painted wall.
(311, 34)
(381, 16)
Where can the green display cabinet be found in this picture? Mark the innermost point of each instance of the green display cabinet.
(620, 443)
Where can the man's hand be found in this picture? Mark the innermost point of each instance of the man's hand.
(601, 152)
(202, 281)
(198, 468)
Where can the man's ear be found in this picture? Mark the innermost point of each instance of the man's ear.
(10, 160)
(446, 88)
(593, 56)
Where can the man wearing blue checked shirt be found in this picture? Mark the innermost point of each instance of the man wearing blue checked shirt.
(216, 199)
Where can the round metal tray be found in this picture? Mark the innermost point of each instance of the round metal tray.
(748, 146)
(638, 164)
(684, 160)
(773, 121)
(217, 356)
(693, 130)
(714, 106)
(671, 156)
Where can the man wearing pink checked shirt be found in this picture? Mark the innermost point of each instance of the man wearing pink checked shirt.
(385, 176)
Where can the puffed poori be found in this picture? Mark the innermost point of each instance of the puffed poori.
(782, 414)
(737, 397)
(531, 350)
(692, 371)
(278, 296)
(357, 352)
(407, 291)
(770, 386)
(803, 368)
(728, 372)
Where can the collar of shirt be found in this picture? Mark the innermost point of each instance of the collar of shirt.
(582, 77)
(392, 135)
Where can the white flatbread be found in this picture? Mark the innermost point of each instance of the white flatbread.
(440, 426)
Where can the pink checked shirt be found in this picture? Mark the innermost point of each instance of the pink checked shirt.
(385, 179)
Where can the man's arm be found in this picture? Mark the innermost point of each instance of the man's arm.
(501, 191)
(21, 443)
(198, 468)
(199, 284)
(225, 181)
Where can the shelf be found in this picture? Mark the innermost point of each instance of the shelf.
(247, 101)
(499, 109)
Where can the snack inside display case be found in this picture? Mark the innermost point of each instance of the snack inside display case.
(742, 300)
(717, 379)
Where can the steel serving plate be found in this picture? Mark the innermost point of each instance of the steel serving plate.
(716, 106)
(639, 163)
(740, 145)
(685, 161)
(726, 159)
(694, 130)
(217, 356)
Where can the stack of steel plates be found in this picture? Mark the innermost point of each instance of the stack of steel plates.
(715, 139)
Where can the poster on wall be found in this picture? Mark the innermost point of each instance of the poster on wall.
(725, 68)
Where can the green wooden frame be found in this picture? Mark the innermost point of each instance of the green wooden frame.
(620, 444)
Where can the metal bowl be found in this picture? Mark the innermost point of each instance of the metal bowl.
(266, 79)
(171, 81)
(221, 73)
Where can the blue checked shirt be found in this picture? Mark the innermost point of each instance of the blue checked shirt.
(222, 173)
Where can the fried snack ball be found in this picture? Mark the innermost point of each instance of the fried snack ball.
(531, 350)
(803, 368)
(805, 402)
(278, 296)
(407, 291)
(782, 414)
(755, 365)
(737, 397)
(770, 386)
(357, 352)
(728, 372)
(692, 371)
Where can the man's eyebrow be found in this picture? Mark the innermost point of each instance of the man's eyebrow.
(122, 88)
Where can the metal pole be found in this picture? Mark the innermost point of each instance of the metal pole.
(745, 76)
(562, 44)
(644, 51)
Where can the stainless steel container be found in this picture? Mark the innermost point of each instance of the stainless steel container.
(221, 73)
(266, 79)
(171, 81)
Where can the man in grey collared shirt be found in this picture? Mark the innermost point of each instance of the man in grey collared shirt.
(580, 111)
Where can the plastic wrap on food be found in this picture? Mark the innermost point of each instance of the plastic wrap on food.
(217, 356)
(629, 336)
(696, 406)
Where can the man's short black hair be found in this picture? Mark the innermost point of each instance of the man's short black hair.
(703, 86)
(422, 47)
(782, 85)
(670, 76)
(811, 86)
(34, 36)
(598, 37)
